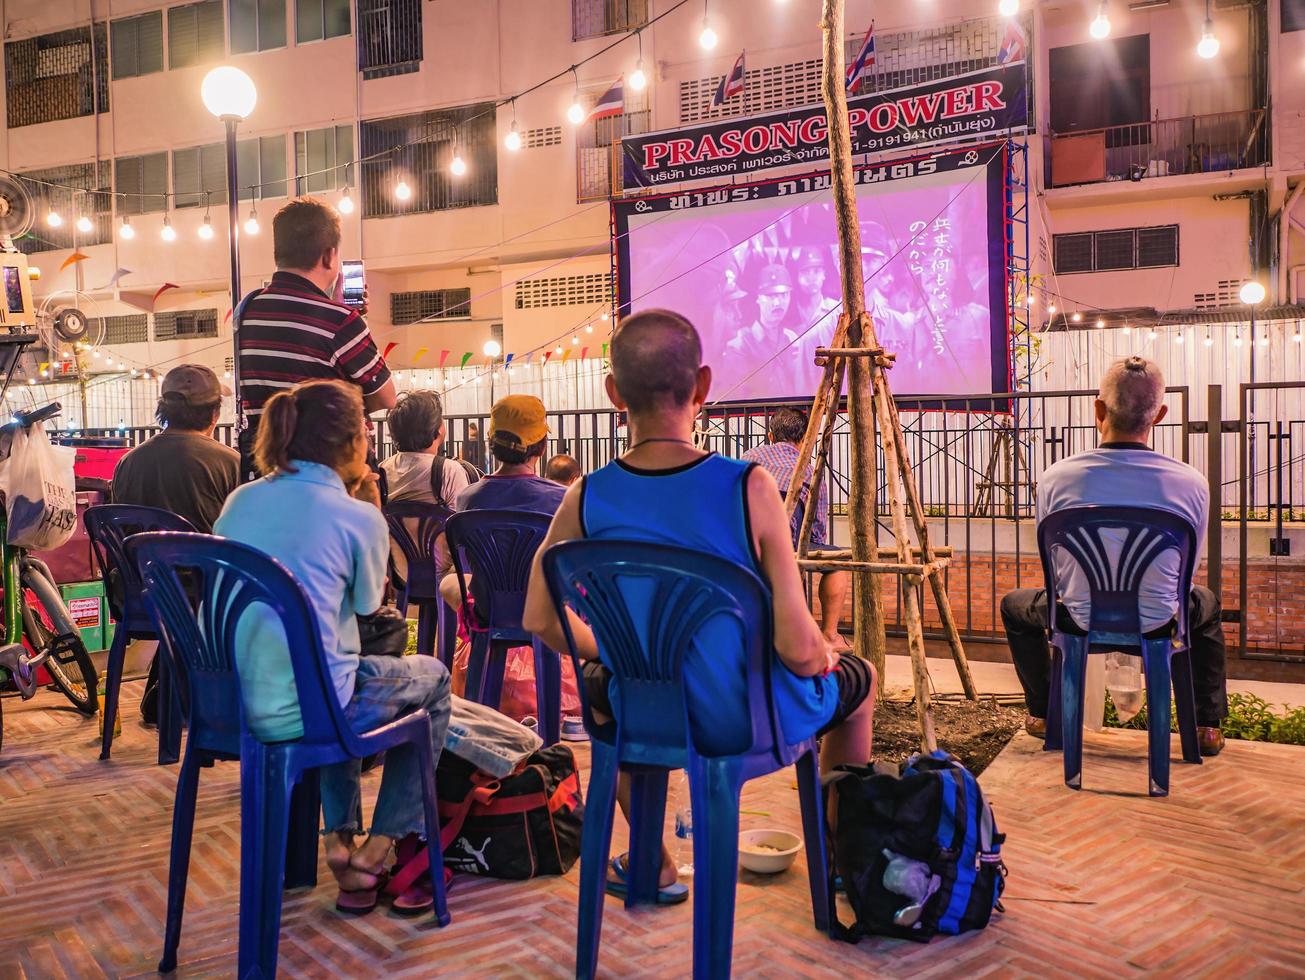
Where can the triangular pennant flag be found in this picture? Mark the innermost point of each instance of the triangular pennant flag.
(117, 276)
(547, 355)
(584, 353)
(565, 354)
(508, 360)
(604, 350)
(161, 290)
(227, 317)
(526, 360)
(73, 260)
(385, 354)
(465, 358)
(444, 356)
(421, 352)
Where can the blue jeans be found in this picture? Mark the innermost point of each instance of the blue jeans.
(387, 688)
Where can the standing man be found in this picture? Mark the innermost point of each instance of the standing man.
(814, 316)
(750, 347)
(297, 329)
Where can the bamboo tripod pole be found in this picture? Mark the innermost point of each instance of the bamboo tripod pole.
(868, 639)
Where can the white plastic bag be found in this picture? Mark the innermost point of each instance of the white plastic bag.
(1124, 681)
(40, 490)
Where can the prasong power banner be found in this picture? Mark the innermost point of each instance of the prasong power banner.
(982, 103)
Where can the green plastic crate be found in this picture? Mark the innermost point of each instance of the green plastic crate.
(90, 611)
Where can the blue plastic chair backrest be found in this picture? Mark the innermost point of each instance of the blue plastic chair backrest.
(108, 526)
(1148, 533)
(228, 577)
(645, 651)
(414, 526)
(497, 547)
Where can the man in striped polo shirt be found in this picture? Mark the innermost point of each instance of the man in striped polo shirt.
(297, 329)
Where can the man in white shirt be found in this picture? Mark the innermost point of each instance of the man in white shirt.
(1123, 470)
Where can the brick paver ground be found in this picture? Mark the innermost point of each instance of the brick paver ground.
(1106, 882)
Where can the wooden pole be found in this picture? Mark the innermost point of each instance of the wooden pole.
(822, 461)
(868, 639)
(819, 407)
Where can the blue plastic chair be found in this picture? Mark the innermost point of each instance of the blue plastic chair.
(643, 643)
(497, 547)
(231, 577)
(1116, 625)
(414, 526)
(108, 526)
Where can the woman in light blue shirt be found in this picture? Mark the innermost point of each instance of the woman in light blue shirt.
(317, 511)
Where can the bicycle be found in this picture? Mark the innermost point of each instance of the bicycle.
(38, 629)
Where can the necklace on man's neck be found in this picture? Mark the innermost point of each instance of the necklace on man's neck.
(644, 442)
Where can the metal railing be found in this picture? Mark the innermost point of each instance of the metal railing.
(1161, 148)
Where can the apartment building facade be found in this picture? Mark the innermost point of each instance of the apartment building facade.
(1159, 180)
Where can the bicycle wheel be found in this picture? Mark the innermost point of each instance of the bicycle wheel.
(49, 629)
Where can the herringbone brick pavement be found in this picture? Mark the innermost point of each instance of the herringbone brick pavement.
(1106, 882)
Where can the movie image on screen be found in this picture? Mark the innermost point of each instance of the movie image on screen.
(755, 268)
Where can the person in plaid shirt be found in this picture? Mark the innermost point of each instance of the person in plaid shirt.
(779, 456)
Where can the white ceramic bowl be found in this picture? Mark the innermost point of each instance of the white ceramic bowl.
(762, 859)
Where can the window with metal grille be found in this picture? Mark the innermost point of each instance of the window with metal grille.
(133, 329)
(136, 45)
(197, 170)
(142, 183)
(901, 58)
(185, 324)
(322, 158)
(261, 166)
(426, 140)
(1116, 249)
(1293, 15)
(49, 191)
(535, 293)
(542, 136)
(594, 18)
(1226, 293)
(257, 25)
(196, 34)
(429, 304)
(389, 37)
(53, 76)
(598, 144)
(316, 20)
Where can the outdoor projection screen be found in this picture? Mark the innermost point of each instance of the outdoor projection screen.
(755, 268)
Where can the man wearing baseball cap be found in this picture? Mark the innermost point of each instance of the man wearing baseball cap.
(750, 347)
(813, 316)
(183, 469)
(518, 436)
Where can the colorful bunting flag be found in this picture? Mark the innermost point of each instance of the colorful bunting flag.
(385, 354)
(161, 290)
(227, 317)
(584, 353)
(73, 259)
(547, 355)
(465, 358)
(508, 360)
(444, 356)
(421, 352)
(117, 277)
(565, 354)
(604, 351)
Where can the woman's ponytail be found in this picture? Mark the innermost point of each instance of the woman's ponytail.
(276, 431)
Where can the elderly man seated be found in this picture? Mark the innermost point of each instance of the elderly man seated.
(1123, 469)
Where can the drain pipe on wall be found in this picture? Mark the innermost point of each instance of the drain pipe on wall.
(1286, 272)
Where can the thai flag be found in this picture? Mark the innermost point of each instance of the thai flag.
(612, 102)
(1014, 46)
(732, 84)
(865, 61)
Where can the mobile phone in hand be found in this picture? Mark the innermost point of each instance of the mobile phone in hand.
(352, 270)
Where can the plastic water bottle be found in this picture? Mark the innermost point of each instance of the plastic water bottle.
(684, 829)
(1124, 681)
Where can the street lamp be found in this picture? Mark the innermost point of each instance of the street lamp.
(230, 95)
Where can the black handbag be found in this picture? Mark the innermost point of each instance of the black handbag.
(383, 633)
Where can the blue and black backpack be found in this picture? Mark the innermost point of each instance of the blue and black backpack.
(935, 829)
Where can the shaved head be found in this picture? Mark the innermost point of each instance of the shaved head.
(656, 355)
(1133, 391)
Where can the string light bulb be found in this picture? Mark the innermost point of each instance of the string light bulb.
(1100, 27)
(513, 138)
(1209, 341)
(1179, 338)
(557, 350)
(126, 231)
(707, 39)
(206, 228)
(1100, 323)
(575, 338)
(1077, 317)
(638, 80)
(589, 328)
(1296, 336)
(251, 223)
(1127, 330)
(1008, 8)
(457, 166)
(1051, 309)
(1208, 46)
(84, 225)
(53, 218)
(402, 191)
(1237, 339)
(346, 203)
(1150, 335)
(167, 232)
(1264, 339)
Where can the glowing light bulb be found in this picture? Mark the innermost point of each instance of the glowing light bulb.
(1008, 8)
(589, 328)
(576, 114)
(557, 350)
(457, 166)
(1296, 336)
(206, 229)
(575, 338)
(1030, 300)
(1127, 330)
(1264, 339)
(492, 348)
(226, 374)
(1237, 340)
(251, 224)
(1252, 292)
(127, 231)
(513, 138)
(707, 39)
(84, 224)
(1100, 27)
(346, 203)
(53, 219)
(604, 317)
(1051, 309)
(1150, 335)
(402, 191)
(1208, 46)
(1077, 317)
(167, 232)
(1209, 341)
(638, 80)
(1100, 323)
(1178, 339)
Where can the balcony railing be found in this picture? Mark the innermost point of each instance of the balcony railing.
(1161, 148)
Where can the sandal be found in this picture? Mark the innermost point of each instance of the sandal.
(673, 894)
(360, 901)
(410, 881)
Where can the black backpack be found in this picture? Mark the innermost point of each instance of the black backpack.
(437, 478)
(935, 816)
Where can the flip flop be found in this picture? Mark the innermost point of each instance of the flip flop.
(669, 895)
(360, 901)
(418, 899)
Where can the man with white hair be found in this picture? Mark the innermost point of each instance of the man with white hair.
(1123, 470)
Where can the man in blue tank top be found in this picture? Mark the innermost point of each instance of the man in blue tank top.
(664, 489)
